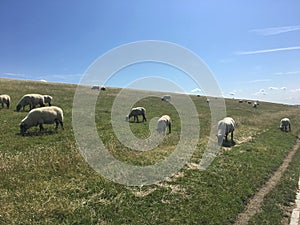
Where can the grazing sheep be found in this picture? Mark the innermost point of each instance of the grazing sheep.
(241, 101)
(207, 100)
(162, 123)
(95, 88)
(255, 105)
(48, 99)
(166, 98)
(5, 99)
(285, 123)
(103, 88)
(40, 116)
(32, 100)
(225, 127)
(135, 112)
(249, 102)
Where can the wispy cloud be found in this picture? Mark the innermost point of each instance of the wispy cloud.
(267, 50)
(196, 90)
(288, 73)
(14, 74)
(275, 30)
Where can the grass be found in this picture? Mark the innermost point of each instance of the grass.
(45, 180)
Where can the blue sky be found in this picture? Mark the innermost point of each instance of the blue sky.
(251, 47)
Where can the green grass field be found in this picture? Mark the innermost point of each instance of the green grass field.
(45, 180)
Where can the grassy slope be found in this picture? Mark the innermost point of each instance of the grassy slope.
(44, 179)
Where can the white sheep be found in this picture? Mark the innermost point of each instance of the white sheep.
(5, 99)
(40, 116)
(47, 99)
(135, 112)
(225, 126)
(166, 98)
(162, 123)
(32, 100)
(285, 123)
(255, 104)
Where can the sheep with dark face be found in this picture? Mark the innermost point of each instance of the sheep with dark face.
(48, 99)
(135, 112)
(5, 99)
(166, 98)
(285, 124)
(162, 123)
(40, 116)
(32, 100)
(225, 126)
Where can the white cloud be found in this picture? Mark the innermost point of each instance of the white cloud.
(261, 92)
(275, 30)
(289, 73)
(273, 88)
(196, 90)
(267, 50)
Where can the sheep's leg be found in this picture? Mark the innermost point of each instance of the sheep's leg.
(144, 118)
(41, 127)
(232, 137)
(61, 124)
(56, 124)
(169, 128)
(137, 118)
(7, 104)
(226, 139)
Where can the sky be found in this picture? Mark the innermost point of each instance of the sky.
(252, 48)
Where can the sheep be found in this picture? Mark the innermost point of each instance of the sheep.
(32, 100)
(241, 101)
(284, 124)
(95, 88)
(135, 112)
(255, 105)
(40, 116)
(225, 126)
(47, 99)
(5, 99)
(103, 88)
(166, 98)
(162, 123)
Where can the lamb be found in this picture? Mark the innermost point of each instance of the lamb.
(166, 98)
(285, 123)
(47, 99)
(135, 112)
(225, 126)
(40, 116)
(162, 123)
(32, 100)
(5, 99)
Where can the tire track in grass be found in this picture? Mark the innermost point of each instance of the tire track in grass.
(296, 211)
(254, 205)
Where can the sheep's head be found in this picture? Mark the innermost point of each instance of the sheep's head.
(220, 139)
(23, 128)
(18, 108)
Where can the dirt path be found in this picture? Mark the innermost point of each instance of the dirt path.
(254, 205)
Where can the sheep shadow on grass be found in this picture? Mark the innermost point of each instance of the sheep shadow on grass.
(38, 133)
(228, 144)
